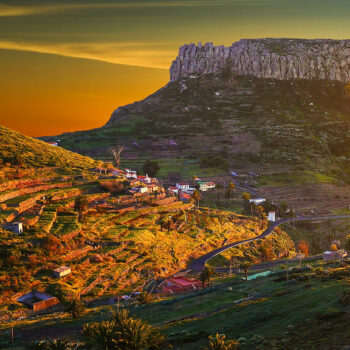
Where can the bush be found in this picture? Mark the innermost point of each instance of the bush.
(330, 314)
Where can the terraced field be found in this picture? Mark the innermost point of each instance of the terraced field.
(116, 244)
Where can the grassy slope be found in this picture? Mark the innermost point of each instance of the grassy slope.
(35, 153)
(282, 312)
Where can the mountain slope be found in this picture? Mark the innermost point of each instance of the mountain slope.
(16, 148)
(245, 120)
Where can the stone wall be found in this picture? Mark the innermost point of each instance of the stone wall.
(282, 59)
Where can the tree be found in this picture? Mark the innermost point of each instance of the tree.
(150, 167)
(80, 205)
(334, 247)
(259, 210)
(230, 188)
(40, 345)
(303, 248)
(145, 298)
(246, 266)
(218, 343)
(205, 276)
(218, 188)
(117, 151)
(122, 332)
(58, 344)
(196, 196)
(75, 307)
(246, 196)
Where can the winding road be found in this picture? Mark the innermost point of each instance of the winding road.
(199, 263)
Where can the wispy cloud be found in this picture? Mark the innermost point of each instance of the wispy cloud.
(132, 54)
(53, 8)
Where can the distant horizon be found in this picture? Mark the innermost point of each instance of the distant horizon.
(66, 66)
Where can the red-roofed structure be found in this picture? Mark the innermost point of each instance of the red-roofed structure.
(180, 285)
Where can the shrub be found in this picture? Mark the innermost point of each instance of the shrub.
(329, 314)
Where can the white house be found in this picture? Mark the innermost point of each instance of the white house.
(16, 227)
(272, 216)
(130, 174)
(182, 186)
(145, 179)
(52, 143)
(205, 186)
(257, 201)
(174, 190)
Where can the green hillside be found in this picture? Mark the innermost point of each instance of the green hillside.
(245, 120)
(18, 149)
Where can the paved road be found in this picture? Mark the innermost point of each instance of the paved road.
(199, 263)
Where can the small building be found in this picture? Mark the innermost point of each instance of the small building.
(338, 254)
(36, 301)
(272, 216)
(205, 186)
(130, 174)
(62, 271)
(16, 227)
(153, 188)
(145, 179)
(257, 201)
(52, 143)
(180, 285)
(174, 190)
(140, 189)
(182, 185)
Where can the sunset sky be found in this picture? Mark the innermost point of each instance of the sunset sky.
(66, 65)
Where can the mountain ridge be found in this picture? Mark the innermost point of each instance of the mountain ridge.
(282, 59)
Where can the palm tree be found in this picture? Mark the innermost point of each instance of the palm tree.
(75, 308)
(218, 343)
(122, 332)
(40, 345)
(58, 344)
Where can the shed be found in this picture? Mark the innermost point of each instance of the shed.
(16, 227)
(38, 300)
(62, 271)
(180, 284)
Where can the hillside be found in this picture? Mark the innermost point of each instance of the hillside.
(28, 152)
(308, 311)
(252, 123)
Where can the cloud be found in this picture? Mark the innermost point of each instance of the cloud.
(53, 8)
(151, 55)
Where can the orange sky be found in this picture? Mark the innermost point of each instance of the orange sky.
(49, 94)
(65, 65)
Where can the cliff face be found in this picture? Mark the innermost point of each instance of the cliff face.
(282, 59)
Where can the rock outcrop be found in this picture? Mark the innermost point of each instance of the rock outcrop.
(282, 59)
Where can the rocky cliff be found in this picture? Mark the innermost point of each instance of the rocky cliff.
(282, 59)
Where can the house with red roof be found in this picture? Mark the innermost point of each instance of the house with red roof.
(180, 284)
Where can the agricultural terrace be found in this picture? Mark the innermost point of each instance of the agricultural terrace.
(117, 244)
